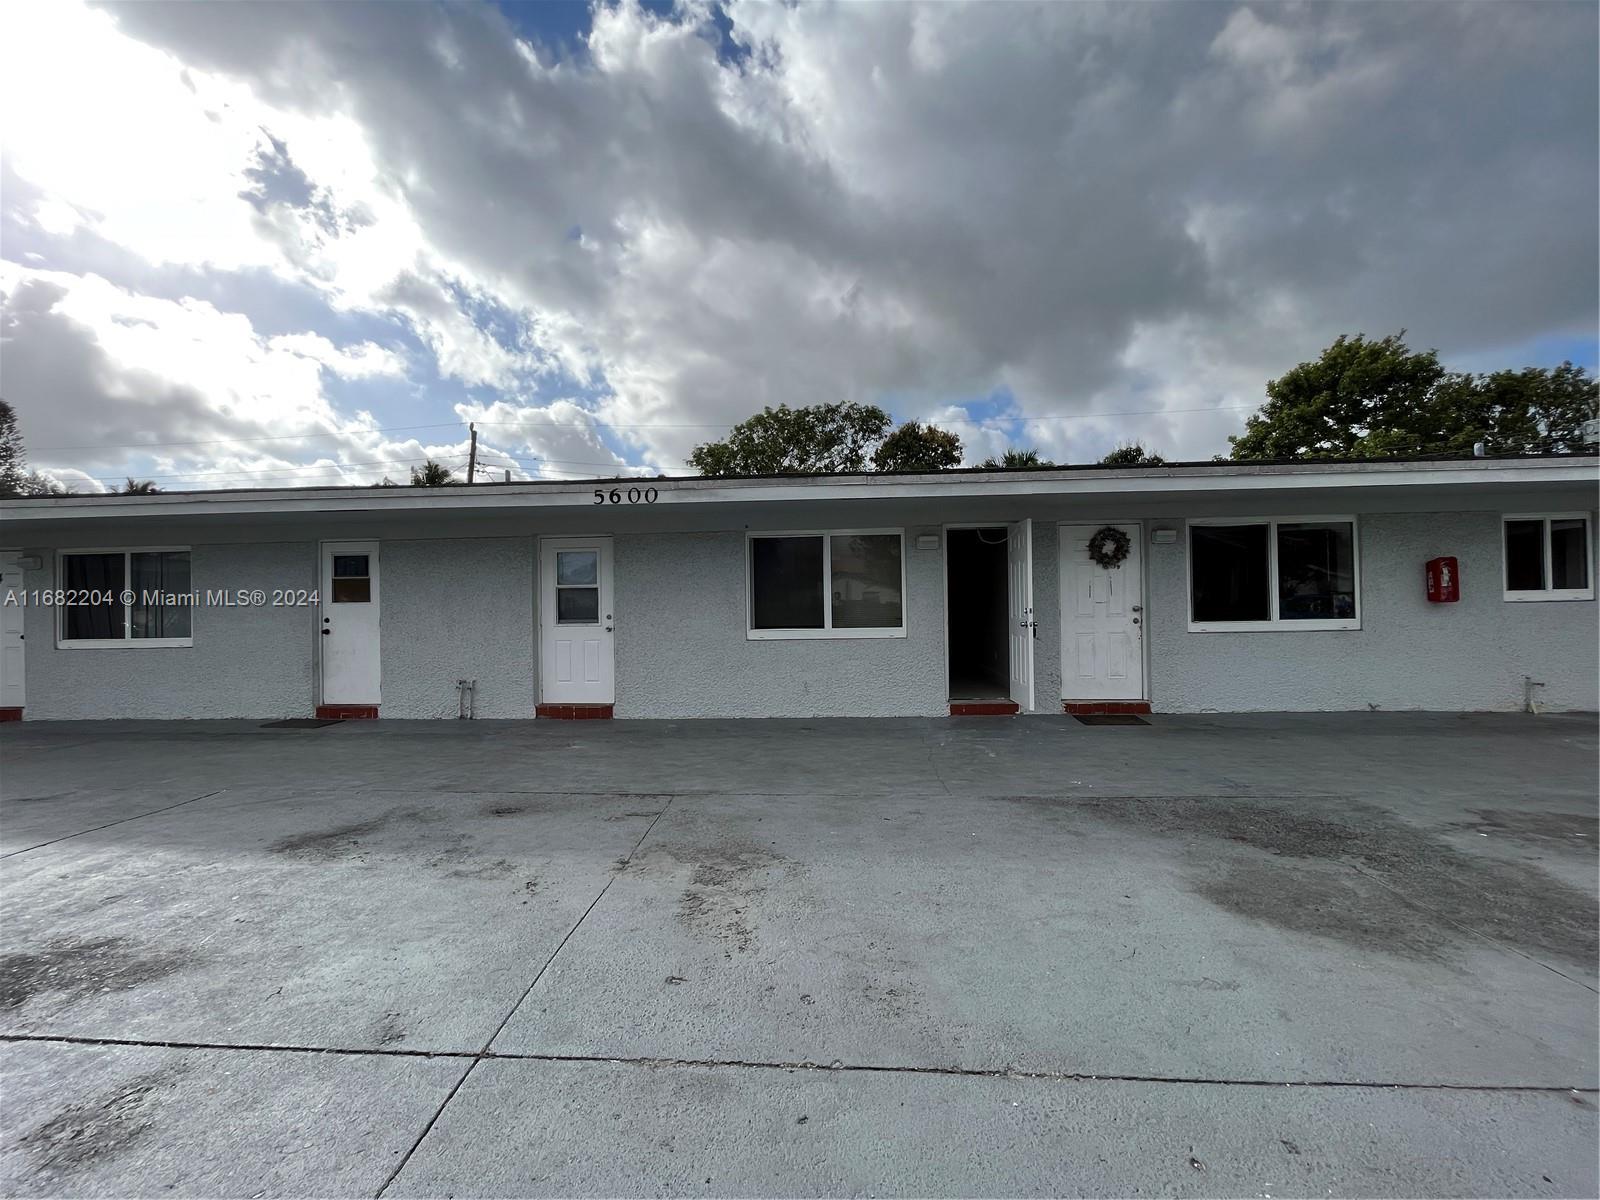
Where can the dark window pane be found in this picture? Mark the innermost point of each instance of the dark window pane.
(577, 566)
(577, 606)
(1524, 556)
(866, 581)
(156, 576)
(1316, 572)
(1229, 568)
(349, 566)
(786, 583)
(1569, 553)
(352, 591)
(95, 573)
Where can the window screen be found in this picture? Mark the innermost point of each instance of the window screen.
(158, 577)
(99, 579)
(786, 583)
(352, 580)
(1569, 552)
(126, 595)
(1524, 556)
(865, 578)
(577, 587)
(1316, 572)
(1228, 564)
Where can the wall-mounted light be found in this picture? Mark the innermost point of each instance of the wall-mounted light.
(927, 541)
(30, 562)
(1163, 537)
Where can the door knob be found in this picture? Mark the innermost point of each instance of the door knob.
(326, 632)
(1138, 608)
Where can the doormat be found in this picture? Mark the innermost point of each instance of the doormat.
(299, 723)
(1111, 719)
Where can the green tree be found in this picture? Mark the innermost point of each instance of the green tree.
(35, 484)
(431, 474)
(1380, 399)
(139, 487)
(915, 447)
(15, 478)
(1132, 455)
(1017, 458)
(811, 440)
(13, 461)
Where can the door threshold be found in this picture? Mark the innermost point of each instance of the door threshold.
(574, 712)
(1103, 708)
(984, 708)
(347, 712)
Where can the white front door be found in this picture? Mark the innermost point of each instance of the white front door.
(575, 626)
(13, 677)
(349, 625)
(1102, 618)
(1019, 607)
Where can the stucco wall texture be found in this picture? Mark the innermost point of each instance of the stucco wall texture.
(457, 608)
(682, 651)
(245, 662)
(465, 608)
(1408, 653)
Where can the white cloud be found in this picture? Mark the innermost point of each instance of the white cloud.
(98, 374)
(362, 361)
(1105, 210)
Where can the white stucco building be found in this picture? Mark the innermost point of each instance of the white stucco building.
(1235, 587)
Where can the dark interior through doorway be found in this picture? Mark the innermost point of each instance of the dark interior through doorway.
(975, 604)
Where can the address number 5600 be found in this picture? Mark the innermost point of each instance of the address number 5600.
(632, 496)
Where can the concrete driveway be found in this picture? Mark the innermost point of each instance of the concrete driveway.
(1211, 955)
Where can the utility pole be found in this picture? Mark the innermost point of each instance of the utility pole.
(472, 456)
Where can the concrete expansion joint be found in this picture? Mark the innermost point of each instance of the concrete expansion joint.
(484, 1051)
(473, 1057)
(109, 824)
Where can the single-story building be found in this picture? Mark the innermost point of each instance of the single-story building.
(1446, 585)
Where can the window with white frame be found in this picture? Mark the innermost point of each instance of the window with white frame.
(846, 583)
(127, 597)
(1548, 556)
(1274, 573)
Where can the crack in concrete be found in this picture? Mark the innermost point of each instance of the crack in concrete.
(109, 824)
(477, 1056)
(484, 1052)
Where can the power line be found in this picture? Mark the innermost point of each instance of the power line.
(277, 437)
(595, 423)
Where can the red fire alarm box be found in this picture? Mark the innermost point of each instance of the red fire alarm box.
(1444, 581)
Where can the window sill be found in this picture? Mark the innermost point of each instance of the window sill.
(812, 635)
(1549, 596)
(1308, 626)
(123, 643)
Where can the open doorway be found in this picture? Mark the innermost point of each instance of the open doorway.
(976, 607)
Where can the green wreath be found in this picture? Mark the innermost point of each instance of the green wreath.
(1109, 546)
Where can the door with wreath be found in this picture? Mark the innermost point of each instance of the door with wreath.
(1102, 612)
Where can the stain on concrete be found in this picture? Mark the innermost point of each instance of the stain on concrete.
(498, 869)
(504, 810)
(78, 967)
(1329, 901)
(327, 844)
(409, 837)
(725, 880)
(388, 1030)
(99, 1129)
(1352, 872)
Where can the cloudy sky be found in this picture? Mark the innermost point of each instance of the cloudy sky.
(278, 245)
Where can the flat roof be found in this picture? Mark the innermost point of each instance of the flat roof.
(1169, 478)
